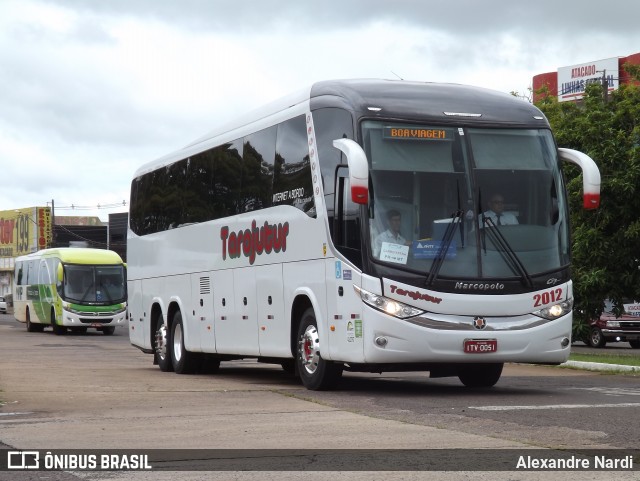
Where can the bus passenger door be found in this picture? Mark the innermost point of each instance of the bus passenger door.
(272, 324)
(344, 308)
(203, 311)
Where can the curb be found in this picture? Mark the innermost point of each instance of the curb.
(599, 366)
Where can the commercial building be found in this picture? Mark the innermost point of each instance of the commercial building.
(569, 82)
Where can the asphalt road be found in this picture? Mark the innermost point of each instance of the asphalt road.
(98, 392)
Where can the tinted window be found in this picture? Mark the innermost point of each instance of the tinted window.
(292, 169)
(330, 124)
(198, 193)
(270, 167)
(150, 211)
(257, 170)
(215, 183)
(197, 189)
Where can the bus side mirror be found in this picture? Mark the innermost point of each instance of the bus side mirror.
(358, 169)
(590, 176)
(60, 274)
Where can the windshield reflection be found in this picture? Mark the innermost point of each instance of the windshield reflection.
(94, 284)
(468, 203)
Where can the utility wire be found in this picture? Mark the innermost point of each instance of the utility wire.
(113, 205)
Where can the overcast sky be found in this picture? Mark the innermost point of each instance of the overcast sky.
(92, 89)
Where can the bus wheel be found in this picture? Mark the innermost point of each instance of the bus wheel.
(316, 373)
(58, 330)
(31, 327)
(161, 348)
(109, 330)
(184, 362)
(480, 375)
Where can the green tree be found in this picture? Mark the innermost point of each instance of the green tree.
(605, 242)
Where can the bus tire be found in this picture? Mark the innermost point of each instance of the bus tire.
(58, 330)
(161, 348)
(316, 373)
(183, 361)
(480, 375)
(31, 327)
(109, 330)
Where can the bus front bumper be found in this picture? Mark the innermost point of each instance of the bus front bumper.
(389, 340)
(72, 319)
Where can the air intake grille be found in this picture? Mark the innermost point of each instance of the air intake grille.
(205, 285)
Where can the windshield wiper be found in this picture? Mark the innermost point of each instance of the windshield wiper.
(447, 238)
(491, 229)
(105, 289)
(456, 218)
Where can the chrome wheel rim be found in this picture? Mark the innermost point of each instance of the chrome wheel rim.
(309, 348)
(161, 342)
(177, 343)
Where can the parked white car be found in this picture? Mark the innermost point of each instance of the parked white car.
(3, 305)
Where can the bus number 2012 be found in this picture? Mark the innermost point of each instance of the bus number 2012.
(547, 297)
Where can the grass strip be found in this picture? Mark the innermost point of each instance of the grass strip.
(626, 360)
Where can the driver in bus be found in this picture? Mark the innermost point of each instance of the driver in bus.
(392, 234)
(496, 213)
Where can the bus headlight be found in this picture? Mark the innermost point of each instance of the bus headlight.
(555, 311)
(389, 306)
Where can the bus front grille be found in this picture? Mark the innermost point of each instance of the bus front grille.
(96, 320)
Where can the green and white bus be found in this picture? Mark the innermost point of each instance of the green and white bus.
(71, 288)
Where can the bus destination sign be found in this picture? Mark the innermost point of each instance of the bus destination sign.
(415, 133)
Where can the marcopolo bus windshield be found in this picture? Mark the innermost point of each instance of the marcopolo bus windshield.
(86, 284)
(454, 202)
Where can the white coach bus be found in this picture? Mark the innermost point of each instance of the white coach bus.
(354, 226)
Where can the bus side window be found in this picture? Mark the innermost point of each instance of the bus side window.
(58, 271)
(346, 224)
(19, 274)
(258, 160)
(292, 181)
(330, 123)
(32, 272)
